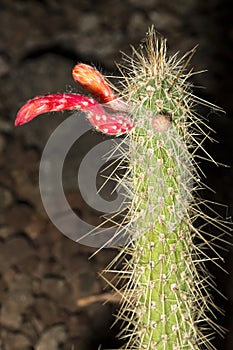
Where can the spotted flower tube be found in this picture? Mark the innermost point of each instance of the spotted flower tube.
(164, 285)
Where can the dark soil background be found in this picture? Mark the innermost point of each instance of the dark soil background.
(42, 273)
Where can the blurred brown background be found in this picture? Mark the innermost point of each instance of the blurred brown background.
(43, 273)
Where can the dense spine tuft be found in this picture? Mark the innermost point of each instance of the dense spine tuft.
(165, 299)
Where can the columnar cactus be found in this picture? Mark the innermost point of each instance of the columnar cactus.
(165, 297)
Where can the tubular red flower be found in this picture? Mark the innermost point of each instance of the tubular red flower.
(107, 120)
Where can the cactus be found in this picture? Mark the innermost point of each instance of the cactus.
(165, 294)
(165, 297)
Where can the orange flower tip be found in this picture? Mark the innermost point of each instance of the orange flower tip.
(93, 81)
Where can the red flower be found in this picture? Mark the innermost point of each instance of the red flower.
(108, 117)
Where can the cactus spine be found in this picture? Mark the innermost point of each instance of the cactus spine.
(165, 298)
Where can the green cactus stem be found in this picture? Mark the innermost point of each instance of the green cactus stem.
(165, 298)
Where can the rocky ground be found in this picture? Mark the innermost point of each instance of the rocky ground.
(43, 274)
